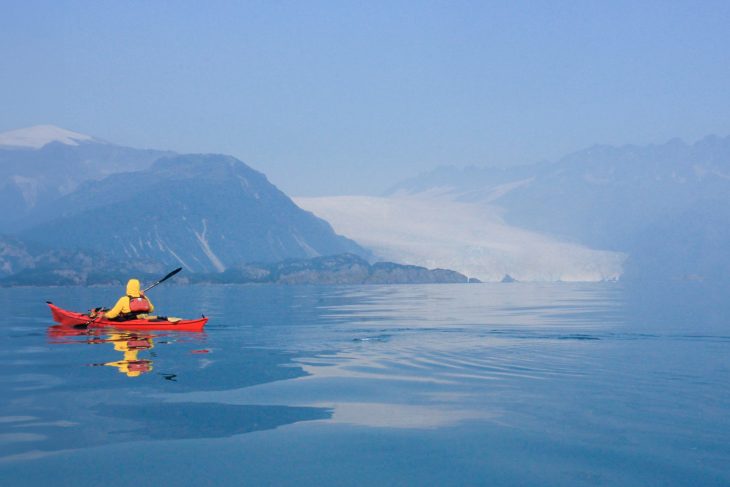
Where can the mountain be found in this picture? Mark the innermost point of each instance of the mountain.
(204, 212)
(42, 163)
(24, 263)
(690, 243)
(667, 206)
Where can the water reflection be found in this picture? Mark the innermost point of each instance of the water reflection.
(424, 357)
(129, 343)
(160, 421)
(58, 399)
(488, 378)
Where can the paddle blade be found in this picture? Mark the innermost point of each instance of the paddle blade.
(163, 279)
(170, 275)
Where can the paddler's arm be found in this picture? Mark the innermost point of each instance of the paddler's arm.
(114, 312)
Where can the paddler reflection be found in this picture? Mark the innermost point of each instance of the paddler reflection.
(133, 348)
(130, 345)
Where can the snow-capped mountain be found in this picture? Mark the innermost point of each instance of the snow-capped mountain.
(40, 164)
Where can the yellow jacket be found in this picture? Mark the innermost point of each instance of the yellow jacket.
(122, 306)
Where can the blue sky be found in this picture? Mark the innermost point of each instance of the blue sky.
(348, 97)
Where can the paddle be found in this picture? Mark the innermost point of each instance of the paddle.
(84, 326)
(162, 280)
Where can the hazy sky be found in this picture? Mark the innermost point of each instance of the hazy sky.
(348, 97)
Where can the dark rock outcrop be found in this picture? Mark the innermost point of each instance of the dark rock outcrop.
(336, 269)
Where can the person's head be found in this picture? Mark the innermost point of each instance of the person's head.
(133, 288)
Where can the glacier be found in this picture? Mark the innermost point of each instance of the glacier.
(437, 232)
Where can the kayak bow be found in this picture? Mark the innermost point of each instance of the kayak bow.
(70, 318)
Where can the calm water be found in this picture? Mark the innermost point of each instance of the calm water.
(493, 384)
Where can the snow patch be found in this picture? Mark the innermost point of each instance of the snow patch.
(206, 248)
(182, 262)
(39, 135)
(484, 195)
(28, 188)
(308, 250)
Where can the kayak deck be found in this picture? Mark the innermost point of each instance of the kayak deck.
(71, 318)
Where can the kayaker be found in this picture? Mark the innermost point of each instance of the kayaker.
(131, 306)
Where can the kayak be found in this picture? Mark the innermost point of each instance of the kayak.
(71, 318)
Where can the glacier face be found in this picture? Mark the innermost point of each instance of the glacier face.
(434, 231)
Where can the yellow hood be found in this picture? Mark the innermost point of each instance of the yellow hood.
(133, 288)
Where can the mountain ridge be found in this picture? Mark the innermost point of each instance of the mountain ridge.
(32, 177)
(202, 211)
(607, 197)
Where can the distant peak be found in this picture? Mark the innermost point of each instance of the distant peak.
(37, 136)
(675, 141)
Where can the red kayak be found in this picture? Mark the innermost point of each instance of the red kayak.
(70, 318)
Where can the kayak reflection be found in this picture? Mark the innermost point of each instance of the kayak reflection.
(129, 343)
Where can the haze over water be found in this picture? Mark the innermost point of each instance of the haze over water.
(493, 384)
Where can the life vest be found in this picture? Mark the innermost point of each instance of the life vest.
(138, 305)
